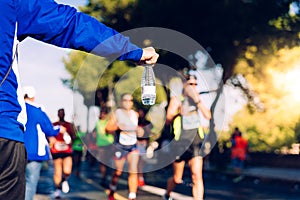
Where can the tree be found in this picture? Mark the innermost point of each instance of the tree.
(244, 36)
(276, 84)
(225, 28)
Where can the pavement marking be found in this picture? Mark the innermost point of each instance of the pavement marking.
(116, 195)
(146, 188)
(106, 191)
(161, 192)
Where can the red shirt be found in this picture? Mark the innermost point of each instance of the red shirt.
(240, 148)
(60, 146)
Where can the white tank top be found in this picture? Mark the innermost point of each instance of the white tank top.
(127, 123)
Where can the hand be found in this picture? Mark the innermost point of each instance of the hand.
(52, 141)
(149, 56)
(192, 92)
(62, 129)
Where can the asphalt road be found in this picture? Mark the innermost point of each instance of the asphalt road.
(218, 186)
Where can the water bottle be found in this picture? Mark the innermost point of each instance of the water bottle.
(148, 86)
(67, 138)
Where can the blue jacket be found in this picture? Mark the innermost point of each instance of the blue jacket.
(38, 127)
(60, 25)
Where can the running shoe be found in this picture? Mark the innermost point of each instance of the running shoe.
(132, 196)
(141, 182)
(65, 187)
(166, 197)
(56, 194)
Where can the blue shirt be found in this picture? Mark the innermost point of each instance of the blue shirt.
(38, 127)
(56, 24)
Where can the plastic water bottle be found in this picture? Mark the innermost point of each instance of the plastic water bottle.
(148, 86)
(67, 138)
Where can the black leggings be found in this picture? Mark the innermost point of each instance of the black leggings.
(12, 170)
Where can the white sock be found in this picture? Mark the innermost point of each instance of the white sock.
(131, 195)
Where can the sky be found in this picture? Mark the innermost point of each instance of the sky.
(41, 66)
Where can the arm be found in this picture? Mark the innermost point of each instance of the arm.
(205, 111)
(47, 126)
(63, 26)
(173, 109)
(194, 94)
(111, 125)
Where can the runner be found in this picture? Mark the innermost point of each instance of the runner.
(183, 113)
(124, 123)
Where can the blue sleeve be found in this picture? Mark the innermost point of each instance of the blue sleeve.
(46, 125)
(63, 26)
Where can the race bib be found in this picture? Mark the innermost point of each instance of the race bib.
(61, 146)
(190, 122)
(127, 138)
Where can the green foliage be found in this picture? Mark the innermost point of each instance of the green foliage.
(225, 28)
(85, 70)
(275, 80)
(297, 130)
(264, 131)
(247, 37)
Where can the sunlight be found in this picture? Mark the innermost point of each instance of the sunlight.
(292, 83)
(289, 82)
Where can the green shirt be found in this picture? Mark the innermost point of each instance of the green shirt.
(77, 143)
(102, 138)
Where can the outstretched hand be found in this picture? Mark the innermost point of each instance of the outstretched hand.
(149, 56)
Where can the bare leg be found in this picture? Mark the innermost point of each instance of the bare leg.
(178, 168)
(58, 168)
(133, 159)
(119, 164)
(140, 167)
(196, 165)
(67, 167)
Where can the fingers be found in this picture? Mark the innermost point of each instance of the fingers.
(62, 129)
(149, 56)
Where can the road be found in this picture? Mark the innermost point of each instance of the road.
(218, 186)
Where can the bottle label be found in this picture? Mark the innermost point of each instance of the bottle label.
(149, 89)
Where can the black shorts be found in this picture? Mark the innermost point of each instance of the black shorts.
(12, 170)
(60, 155)
(192, 152)
(188, 146)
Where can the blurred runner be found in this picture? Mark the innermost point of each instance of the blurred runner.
(78, 151)
(61, 149)
(183, 113)
(104, 142)
(38, 127)
(142, 143)
(124, 123)
(238, 153)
